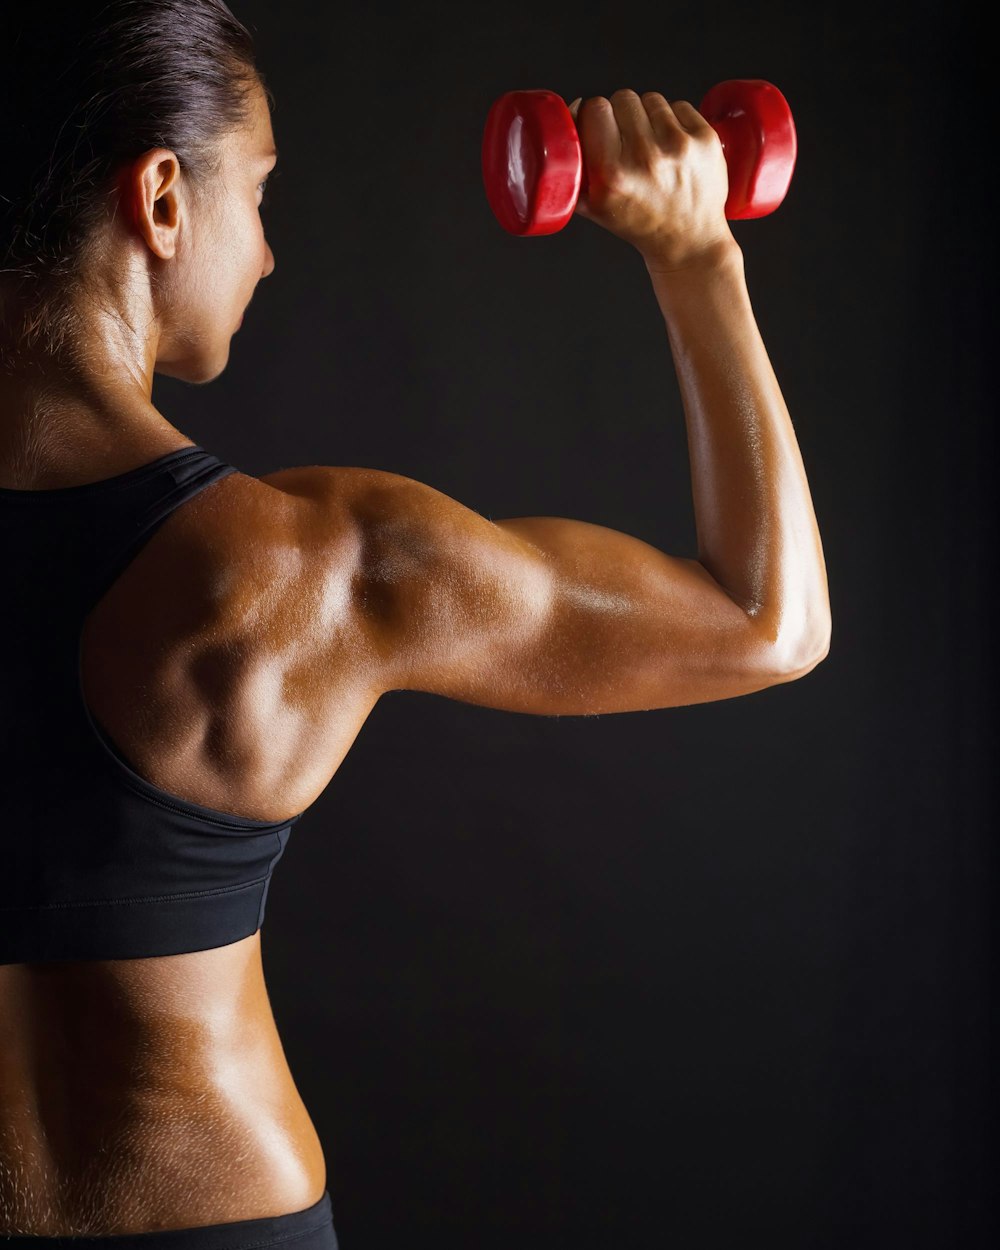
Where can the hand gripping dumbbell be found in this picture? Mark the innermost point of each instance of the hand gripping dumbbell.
(533, 168)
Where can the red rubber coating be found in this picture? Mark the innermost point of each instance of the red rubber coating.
(754, 122)
(533, 165)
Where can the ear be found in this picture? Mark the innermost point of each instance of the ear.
(152, 200)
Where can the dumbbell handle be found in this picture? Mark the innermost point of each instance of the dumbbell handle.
(731, 131)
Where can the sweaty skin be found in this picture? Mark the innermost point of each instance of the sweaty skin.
(153, 1094)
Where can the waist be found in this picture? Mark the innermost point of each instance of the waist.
(147, 1095)
(135, 1159)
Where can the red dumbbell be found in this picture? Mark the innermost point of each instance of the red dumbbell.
(533, 167)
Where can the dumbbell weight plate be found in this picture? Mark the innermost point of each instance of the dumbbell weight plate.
(754, 122)
(532, 163)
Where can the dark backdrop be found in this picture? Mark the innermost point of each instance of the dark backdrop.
(699, 977)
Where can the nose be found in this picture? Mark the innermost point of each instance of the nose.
(268, 261)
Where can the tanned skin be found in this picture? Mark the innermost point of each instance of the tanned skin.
(274, 612)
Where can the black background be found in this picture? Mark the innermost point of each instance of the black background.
(707, 976)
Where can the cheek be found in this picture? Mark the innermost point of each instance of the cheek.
(260, 248)
(244, 241)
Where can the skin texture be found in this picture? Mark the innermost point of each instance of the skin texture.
(141, 1095)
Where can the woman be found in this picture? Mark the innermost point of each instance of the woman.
(189, 652)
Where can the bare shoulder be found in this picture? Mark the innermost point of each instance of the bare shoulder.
(256, 553)
(324, 512)
(352, 490)
(393, 551)
(312, 506)
(340, 510)
(333, 524)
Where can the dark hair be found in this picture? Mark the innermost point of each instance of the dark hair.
(92, 87)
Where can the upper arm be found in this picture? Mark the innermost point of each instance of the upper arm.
(537, 614)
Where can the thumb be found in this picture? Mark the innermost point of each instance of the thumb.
(574, 108)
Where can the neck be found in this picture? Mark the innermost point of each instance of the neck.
(56, 432)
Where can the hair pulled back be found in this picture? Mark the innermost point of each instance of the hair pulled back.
(90, 88)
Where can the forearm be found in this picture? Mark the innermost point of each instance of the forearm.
(757, 532)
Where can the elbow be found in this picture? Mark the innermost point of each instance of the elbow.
(792, 637)
(797, 638)
(789, 656)
(810, 652)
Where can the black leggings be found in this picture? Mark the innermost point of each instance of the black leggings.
(311, 1229)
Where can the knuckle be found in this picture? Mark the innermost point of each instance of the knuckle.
(624, 93)
(616, 180)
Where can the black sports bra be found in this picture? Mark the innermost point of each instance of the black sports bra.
(97, 862)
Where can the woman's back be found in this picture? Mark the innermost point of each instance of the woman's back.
(231, 664)
(153, 1093)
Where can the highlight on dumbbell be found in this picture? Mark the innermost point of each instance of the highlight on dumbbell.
(533, 167)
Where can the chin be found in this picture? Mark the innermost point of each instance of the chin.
(195, 370)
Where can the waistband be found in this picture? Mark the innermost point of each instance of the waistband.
(311, 1229)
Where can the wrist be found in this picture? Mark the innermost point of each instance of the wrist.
(713, 285)
(721, 254)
